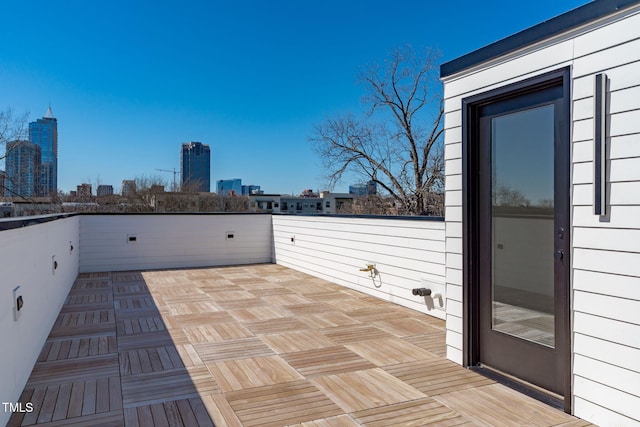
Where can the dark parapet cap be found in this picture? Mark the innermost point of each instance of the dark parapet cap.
(554, 26)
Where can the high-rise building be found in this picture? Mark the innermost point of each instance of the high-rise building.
(22, 163)
(225, 187)
(195, 167)
(44, 133)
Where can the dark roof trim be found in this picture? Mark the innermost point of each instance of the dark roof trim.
(363, 216)
(565, 22)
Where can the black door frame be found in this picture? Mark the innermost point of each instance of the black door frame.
(471, 224)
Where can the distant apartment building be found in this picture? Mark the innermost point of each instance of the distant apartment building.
(22, 163)
(264, 202)
(44, 133)
(366, 189)
(307, 203)
(104, 190)
(195, 167)
(128, 188)
(84, 190)
(225, 187)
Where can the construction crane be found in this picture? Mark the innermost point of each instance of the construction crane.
(175, 188)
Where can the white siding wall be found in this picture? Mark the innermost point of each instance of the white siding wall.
(168, 241)
(26, 260)
(605, 251)
(336, 248)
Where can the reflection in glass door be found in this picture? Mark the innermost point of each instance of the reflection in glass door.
(522, 192)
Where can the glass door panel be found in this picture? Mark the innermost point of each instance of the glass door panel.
(522, 229)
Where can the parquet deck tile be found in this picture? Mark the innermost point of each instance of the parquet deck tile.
(434, 342)
(496, 404)
(253, 345)
(421, 412)
(291, 342)
(326, 361)
(371, 388)
(356, 333)
(273, 326)
(281, 404)
(389, 351)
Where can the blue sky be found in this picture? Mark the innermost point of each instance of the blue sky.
(130, 80)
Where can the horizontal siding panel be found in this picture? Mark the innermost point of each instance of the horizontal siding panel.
(582, 173)
(621, 193)
(620, 77)
(606, 329)
(454, 245)
(624, 123)
(454, 339)
(624, 146)
(453, 198)
(454, 354)
(621, 379)
(600, 416)
(619, 217)
(453, 135)
(454, 277)
(610, 398)
(358, 259)
(623, 263)
(610, 284)
(602, 60)
(609, 34)
(453, 213)
(618, 355)
(452, 150)
(453, 229)
(453, 119)
(454, 292)
(621, 309)
(453, 182)
(453, 167)
(607, 239)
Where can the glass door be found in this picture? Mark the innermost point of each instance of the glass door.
(522, 237)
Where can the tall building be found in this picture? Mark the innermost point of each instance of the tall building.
(225, 187)
(22, 163)
(195, 167)
(44, 133)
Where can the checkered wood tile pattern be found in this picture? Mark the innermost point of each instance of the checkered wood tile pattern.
(257, 345)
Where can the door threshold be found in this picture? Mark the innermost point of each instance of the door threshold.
(524, 387)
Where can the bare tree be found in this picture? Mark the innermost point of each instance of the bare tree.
(397, 143)
(13, 127)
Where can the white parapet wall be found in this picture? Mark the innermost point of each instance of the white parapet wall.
(137, 242)
(407, 253)
(42, 260)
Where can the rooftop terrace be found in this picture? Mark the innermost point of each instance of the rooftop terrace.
(258, 343)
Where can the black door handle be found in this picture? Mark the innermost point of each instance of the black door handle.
(558, 254)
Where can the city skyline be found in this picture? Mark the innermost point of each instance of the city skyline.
(128, 82)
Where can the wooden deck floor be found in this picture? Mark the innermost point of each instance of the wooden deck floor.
(256, 345)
